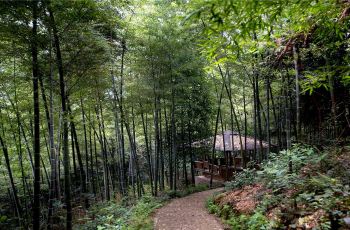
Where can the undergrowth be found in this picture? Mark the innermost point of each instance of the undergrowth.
(130, 214)
(313, 193)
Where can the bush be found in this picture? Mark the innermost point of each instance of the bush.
(257, 221)
(324, 192)
(246, 177)
(314, 184)
(212, 207)
(107, 215)
(275, 173)
(139, 218)
(238, 222)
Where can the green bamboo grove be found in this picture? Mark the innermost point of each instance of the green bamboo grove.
(104, 99)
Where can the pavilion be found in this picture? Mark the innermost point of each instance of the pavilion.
(235, 155)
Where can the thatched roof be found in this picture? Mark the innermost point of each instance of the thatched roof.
(227, 137)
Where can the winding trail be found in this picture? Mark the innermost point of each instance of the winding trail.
(187, 213)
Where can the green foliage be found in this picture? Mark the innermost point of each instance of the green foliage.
(255, 221)
(140, 213)
(246, 177)
(324, 192)
(225, 211)
(212, 207)
(275, 173)
(315, 81)
(238, 222)
(106, 215)
(165, 69)
(3, 219)
(125, 215)
(111, 215)
(269, 201)
(313, 185)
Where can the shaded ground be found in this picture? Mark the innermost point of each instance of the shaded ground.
(187, 213)
(206, 180)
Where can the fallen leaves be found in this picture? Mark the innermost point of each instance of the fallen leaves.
(243, 200)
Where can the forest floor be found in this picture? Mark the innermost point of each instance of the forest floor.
(206, 181)
(188, 213)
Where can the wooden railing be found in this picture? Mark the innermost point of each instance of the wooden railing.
(219, 171)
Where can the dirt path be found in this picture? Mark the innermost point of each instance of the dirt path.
(187, 213)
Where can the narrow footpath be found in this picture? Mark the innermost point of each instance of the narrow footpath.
(187, 213)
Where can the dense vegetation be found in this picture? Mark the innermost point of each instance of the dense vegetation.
(314, 195)
(100, 102)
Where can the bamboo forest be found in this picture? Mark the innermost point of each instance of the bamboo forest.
(175, 114)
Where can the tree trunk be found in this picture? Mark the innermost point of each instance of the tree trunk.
(82, 175)
(170, 156)
(13, 187)
(162, 175)
(297, 90)
(245, 125)
(35, 66)
(228, 91)
(173, 134)
(268, 116)
(190, 143)
(258, 114)
(157, 140)
(333, 102)
(275, 118)
(148, 156)
(184, 169)
(119, 144)
(53, 188)
(122, 125)
(104, 154)
(216, 131)
(224, 142)
(65, 122)
(92, 174)
(85, 144)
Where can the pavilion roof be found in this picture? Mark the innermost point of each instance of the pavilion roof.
(227, 139)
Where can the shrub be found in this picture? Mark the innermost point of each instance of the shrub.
(246, 177)
(106, 215)
(139, 218)
(238, 222)
(257, 221)
(275, 173)
(212, 207)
